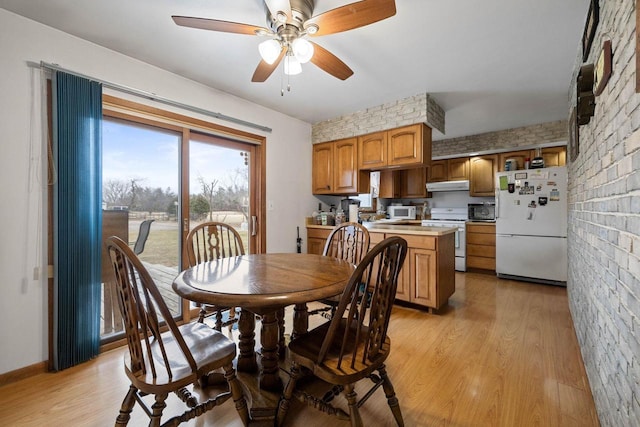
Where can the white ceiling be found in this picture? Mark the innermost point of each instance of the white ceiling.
(491, 64)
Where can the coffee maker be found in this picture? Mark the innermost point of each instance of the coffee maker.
(344, 205)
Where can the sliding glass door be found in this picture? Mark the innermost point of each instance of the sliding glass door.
(159, 181)
(141, 182)
(219, 190)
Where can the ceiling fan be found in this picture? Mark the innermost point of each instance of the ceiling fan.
(290, 23)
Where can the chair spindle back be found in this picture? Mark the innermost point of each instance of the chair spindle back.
(359, 327)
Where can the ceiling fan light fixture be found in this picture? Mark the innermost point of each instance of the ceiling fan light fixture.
(292, 66)
(269, 50)
(281, 17)
(303, 50)
(311, 29)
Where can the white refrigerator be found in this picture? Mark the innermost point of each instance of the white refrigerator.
(531, 225)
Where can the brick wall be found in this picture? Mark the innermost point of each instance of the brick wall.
(526, 136)
(420, 108)
(604, 227)
(423, 109)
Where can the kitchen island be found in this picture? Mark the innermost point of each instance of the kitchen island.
(427, 278)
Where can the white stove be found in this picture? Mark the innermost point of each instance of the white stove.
(452, 217)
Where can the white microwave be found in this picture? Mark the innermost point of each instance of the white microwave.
(401, 212)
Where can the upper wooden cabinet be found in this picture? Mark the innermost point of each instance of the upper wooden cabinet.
(449, 170)
(403, 184)
(334, 168)
(372, 150)
(553, 156)
(413, 183)
(438, 171)
(458, 169)
(322, 168)
(345, 173)
(408, 146)
(519, 156)
(389, 185)
(482, 171)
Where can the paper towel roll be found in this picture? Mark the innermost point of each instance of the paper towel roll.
(353, 213)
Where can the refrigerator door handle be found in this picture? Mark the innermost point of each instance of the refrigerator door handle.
(497, 208)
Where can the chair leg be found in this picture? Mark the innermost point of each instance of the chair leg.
(237, 394)
(352, 399)
(202, 314)
(283, 407)
(157, 408)
(218, 326)
(391, 396)
(126, 407)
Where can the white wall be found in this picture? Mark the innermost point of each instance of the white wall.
(23, 304)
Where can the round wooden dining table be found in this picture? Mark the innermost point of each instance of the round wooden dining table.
(264, 284)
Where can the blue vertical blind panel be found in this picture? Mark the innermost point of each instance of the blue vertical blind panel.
(77, 219)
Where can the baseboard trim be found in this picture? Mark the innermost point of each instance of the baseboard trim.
(23, 373)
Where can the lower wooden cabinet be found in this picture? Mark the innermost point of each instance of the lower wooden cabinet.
(316, 238)
(481, 245)
(427, 277)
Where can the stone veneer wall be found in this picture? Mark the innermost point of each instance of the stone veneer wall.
(604, 226)
(526, 136)
(420, 108)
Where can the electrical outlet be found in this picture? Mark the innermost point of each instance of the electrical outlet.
(36, 273)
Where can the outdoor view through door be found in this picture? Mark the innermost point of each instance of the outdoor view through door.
(144, 200)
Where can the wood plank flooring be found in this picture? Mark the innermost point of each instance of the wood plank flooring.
(503, 353)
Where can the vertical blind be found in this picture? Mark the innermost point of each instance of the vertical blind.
(77, 202)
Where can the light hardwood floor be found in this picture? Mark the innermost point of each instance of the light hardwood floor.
(503, 353)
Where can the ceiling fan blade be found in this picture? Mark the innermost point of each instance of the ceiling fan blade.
(330, 63)
(276, 6)
(264, 70)
(216, 25)
(353, 15)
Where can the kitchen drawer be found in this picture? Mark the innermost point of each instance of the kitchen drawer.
(481, 262)
(481, 251)
(482, 227)
(481, 239)
(317, 233)
(419, 242)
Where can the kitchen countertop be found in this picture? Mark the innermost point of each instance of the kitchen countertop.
(398, 228)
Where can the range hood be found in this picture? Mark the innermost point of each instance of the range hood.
(448, 186)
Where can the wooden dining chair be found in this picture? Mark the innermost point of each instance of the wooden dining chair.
(164, 358)
(348, 241)
(354, 344)
(210, 241)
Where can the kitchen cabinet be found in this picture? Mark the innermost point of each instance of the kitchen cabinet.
(389, 185)
(482, 171)
(372, 151)
(427, 278)
(553, 156)
(438, 171)
(403, 184)
(413, 183)
(404, 147)
(481, 245)
(519, 157)
(334, 168)
(456, 169)
(316, 238)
